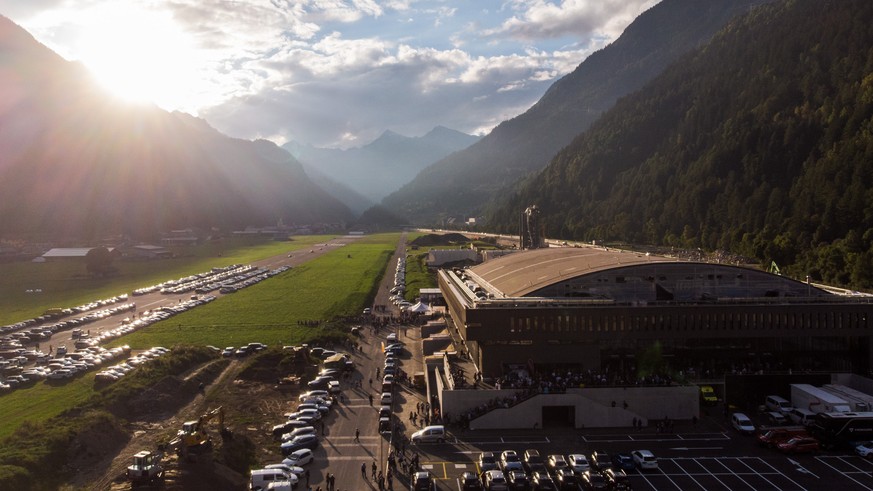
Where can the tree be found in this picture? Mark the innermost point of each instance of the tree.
(98, 262)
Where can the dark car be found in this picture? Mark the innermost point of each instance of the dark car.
(288, 426)
(422, 481)
(543, 482)
(469, 482)
(600, 461)
(509, 461)
(617, 479)
(320, 382)
(623, 461)
(299, 442)
(487, 461)
(566, 480)
(592, 480)
(518, 480)
(533, 461)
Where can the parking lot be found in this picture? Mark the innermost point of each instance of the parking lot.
(705, 461)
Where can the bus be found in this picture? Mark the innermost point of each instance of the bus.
(842, 429)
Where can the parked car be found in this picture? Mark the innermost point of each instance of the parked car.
(422, 481)
(593, 480)
(600, 461)
(533, 461)
(645, 459)
(495, 481)
(299, 458)
(742, 423)
(543, 481)
(799, 445)
(309, 442)
(468, 481)
(578, 462)
(864, 449)
(517, 480)
(617, 480)
(566, 479)
(487, 461)
(556, 462)
(623, 461)
(509, 461)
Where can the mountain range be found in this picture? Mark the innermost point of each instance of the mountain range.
(78, 165)
(374, 170)
(462, 184)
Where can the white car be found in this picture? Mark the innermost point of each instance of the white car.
(290, 469)
(313, 393)
(742, 423)
(644, 459)
(578, 462)
(865, 449)
(298, 458)
(387, 399)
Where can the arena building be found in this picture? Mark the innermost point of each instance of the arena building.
(603, 309)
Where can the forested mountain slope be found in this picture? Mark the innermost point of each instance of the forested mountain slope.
(760, 143)
(460, 184)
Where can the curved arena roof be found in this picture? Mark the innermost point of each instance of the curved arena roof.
(516, 275)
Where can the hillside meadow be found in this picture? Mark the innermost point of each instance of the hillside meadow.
(337, 284)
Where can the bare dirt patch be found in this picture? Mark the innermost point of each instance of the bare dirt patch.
(252, 400)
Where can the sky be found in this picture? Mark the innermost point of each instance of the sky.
(329, 73)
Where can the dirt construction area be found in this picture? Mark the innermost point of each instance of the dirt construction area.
(252, 401)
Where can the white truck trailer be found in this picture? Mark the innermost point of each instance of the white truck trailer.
(858, 400)
(817, 400)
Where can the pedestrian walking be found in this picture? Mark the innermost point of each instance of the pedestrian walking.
(364, 470)
(357, 435)
(374, 470)
(371, 399)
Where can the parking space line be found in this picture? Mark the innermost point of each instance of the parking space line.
(691, 476)
(647, 437)
(822, 460)
(710, 473)
(431, 466)
(747, 466)
(776, 471)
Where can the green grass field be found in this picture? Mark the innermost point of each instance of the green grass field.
(339, 283)
(330, 286)
(66, 284)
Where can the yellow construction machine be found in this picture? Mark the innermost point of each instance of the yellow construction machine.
(193, 434)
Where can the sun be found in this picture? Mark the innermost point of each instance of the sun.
(140, 55)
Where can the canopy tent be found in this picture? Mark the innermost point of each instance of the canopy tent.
(419, 308)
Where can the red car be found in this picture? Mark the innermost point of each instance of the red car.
(799, 445)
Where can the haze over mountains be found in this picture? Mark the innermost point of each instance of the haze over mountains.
(374, 170)
(462, 184)
(78, 165)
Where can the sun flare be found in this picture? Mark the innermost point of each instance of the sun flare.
(140, 56)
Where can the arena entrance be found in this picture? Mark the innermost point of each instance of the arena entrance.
(559, 417)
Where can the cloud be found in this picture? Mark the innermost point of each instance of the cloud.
(539, 19)
(342, 92)
(340, 72)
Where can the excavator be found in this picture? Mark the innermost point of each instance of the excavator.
(193, 434)
(193, 437)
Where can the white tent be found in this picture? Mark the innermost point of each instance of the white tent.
(419, 308)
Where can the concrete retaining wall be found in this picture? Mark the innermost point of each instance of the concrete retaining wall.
(592, 407)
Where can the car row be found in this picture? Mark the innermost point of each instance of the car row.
(55, 313)
(508, 471)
